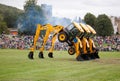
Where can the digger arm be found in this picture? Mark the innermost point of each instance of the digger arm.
(78, 46)
(91, 42)
(36, 37)
(49, 29)
(53, 43)
(56, 29)
(85, 45)
(39, 28)
(93, 49)
(92, 45)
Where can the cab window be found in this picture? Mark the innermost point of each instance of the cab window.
(70, 27)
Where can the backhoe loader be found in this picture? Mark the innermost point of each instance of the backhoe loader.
(78, 36)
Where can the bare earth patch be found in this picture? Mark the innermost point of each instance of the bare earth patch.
(108, 61)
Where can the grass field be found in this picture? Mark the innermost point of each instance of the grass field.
(15, 66)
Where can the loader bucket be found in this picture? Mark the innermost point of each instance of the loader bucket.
(83, 57)
(92, 56)
(96, 55)
(79, 58)
(30, 55)
(86, 56)
(40, 55)
(50, 54)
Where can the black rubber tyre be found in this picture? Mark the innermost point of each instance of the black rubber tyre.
(30, 55)
(71, 51)
(62, 37)
(50, 54)
(40, 55)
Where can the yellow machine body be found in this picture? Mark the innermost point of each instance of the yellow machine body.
(49, 29)
(76, 35)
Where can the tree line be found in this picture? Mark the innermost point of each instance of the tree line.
(10, 15)
(102, 24)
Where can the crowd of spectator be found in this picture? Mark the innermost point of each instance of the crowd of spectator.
(26, 42)
(15, 42)
(108, 43)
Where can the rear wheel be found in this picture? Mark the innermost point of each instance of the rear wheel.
(71, 51)
(62, 37)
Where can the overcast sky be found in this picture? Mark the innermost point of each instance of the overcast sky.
(73, 8)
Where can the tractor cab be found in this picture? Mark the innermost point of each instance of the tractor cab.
(70, 33)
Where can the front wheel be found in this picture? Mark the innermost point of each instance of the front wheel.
(62, 37)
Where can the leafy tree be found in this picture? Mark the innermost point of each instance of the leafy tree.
(104, 26)
(30, 18)
(3, 26)
(10, 18)
(10, 15)
(90, 19)
(30, 4)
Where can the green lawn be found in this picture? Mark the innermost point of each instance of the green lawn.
(15, 66)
